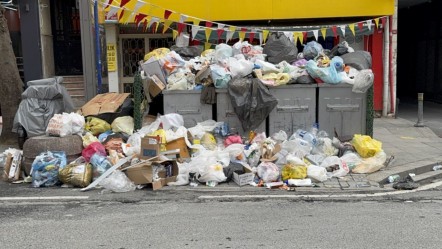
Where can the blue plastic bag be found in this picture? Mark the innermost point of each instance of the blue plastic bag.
(45, 168)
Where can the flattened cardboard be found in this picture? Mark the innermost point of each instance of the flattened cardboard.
(104, 103)
(5, 174)
(142, 173)
(12, 169)
(180, 144)
(154, 68)
(156, 86)
(243, 179)
(150, 147)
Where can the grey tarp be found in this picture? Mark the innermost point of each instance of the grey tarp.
(251, 101)
(40, 101)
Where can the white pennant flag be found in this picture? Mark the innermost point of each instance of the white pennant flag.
(221, 26)
(138, 5)
(342, 29)
(152, 21)
(289, 35)
(183, 18)
(113, 11)
(260, 38)
(195, 29)
(315, 33)
(229, 35)
(369, 22)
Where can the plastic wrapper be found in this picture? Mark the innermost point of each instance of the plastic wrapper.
(96, 125)
(371, 164)
(363, 81)
(317, 173)
(91, 149)
(312, 49)
(156, 54)
(358, 59)
(77, 173)
(123, 124)
(88, 138)
(118, 182)
(220, 76)
(240, 67)
(328, 74)
(45, 168)
(292, 171)
(335, 166)
(251, 101)
(223, 52)
(212, 172)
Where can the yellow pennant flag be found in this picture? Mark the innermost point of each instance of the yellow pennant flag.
(242, 35)
(126, 15)
(352, 28)
(174, 34)
(208, 31)
(324, 32)
(157, 25)
(377, 22)
(265, 34)
(166, 25)
(196, 22)
(207, 45)
(297, 36)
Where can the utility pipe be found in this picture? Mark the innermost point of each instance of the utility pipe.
(386, 67)
(392, 56)
(97, 48)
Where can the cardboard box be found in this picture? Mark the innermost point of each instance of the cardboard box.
(172, 154)
(179, 143)
(13, 166)
(103, 103)
(150, 147)
(7, 167)
(243, 179)
(155, 85)
(143, 173)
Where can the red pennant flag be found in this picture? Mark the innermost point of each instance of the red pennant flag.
(383, 19)
(138, 18)
(145, 25)
(220, 32)
(181, 27)
(304, 36)
(209, 24)
(251, 36)
(361, 26)
(167, 13)
(196, 42)
(335, 31)
(121, 15)
(124, 2)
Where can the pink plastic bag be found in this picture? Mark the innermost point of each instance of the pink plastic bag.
(91, 149)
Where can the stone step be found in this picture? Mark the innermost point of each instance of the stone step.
(79, 100)
(428, 177)
(76, 91)
(74, 84)
(67, 79)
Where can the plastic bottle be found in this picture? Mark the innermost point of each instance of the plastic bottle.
(437, 167)
(393, 178)
(307, 136)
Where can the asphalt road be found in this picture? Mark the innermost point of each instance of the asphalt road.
(264, 224)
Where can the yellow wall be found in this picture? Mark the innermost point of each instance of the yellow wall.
(225, 10)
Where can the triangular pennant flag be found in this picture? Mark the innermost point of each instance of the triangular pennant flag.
(139, 18)
(335, 32)
(180, 27)
(167, 13)
(106, 3)
(324, 32)
(352, 28)
(315, 33)
(195, 29)
(138, 5)
(145, 25)
(220, 30)
(121, 15)
(207, 45)
(152, 21)
(207, 31)
(369, 23)
(174, 34)
(209, 24)
(166, 25)
(183, 18)
(376, 21)
(304, 36)
(251, 37)
(265, 34)
(360, 26)
(230, 33)
(260, 38)
(297, 36)
(128, 16)
(196, 22)
(155, 27)
(113, 11)
(342, 27)
(383, 20)
(124, 2)
(242, 34)
(196, 42)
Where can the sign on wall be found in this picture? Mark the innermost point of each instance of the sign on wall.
(111, 57)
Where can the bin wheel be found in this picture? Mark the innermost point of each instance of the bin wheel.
(22, 136)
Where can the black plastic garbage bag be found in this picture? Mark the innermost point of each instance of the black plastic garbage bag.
(251, 101)
(406, 183)
(279, 48)
(359, 59)
(233, 167)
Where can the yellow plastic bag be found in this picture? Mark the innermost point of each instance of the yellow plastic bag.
(291, 171)
(123, 124)
(96, 126)
(77, 173)
(365, 145)
(88, 138)
(157, 53)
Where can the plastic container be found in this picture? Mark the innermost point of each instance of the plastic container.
(437, 167)
(393, 178)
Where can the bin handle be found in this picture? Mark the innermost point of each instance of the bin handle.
(197, 111)
(342, 108)
(292, 108)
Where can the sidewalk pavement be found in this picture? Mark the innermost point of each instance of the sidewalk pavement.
(412, 147)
